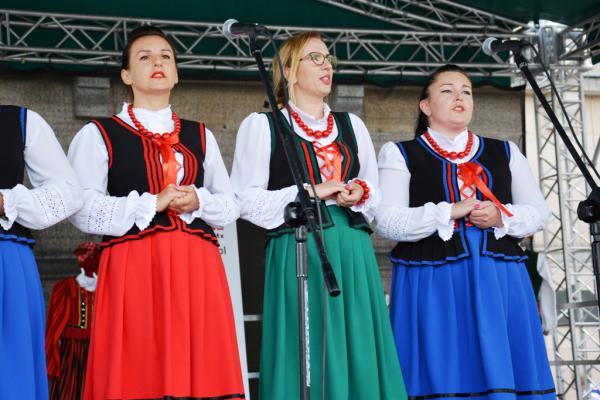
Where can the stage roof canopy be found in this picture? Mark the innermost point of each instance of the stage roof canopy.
(384, 41)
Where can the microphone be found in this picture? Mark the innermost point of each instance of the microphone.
(491, 45)
(233, 28)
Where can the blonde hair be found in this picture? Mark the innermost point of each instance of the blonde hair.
(290, 53)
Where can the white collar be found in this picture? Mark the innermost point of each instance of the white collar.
(144, 112)
(86, 282)
(444, 140)
(306, 117)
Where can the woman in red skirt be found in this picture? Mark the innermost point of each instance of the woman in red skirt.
(154, 186)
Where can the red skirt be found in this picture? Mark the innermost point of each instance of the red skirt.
(163, 323)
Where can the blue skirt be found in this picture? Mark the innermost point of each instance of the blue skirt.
(469, 329)
(22, 325)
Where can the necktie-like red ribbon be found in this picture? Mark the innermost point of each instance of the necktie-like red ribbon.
(170, 166)
(469, 174)
(332, 166)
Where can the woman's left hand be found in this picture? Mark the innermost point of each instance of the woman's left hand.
(485, 215)
(187, 203)
(355, 193)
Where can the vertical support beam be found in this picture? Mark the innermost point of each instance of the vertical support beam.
(567, 241)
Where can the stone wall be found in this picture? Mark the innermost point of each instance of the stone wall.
(389, 113)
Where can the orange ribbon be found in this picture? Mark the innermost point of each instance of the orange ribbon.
(170, 166)
(469, 174)
(332, 166)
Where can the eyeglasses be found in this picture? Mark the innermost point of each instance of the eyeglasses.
(319, 58)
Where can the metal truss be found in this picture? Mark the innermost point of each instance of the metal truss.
(576, 360)
(431, 15)
(55, 38)
(582, 40)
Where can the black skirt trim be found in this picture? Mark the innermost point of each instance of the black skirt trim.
(479, 394)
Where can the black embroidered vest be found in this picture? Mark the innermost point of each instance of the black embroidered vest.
(134, 164)
(434, 179)
(13, 121)
(280, 176)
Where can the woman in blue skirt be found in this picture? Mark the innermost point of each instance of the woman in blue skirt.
(28, 144)
(463, 310)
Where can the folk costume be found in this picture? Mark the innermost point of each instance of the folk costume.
(360, 358)
(462, 308)
(69, 325)
(163, 323)
(28, 145)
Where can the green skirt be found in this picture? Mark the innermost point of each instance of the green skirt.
(361, 359)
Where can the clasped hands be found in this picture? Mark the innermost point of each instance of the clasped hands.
(179, 199)
(345, 194)
(482, 214)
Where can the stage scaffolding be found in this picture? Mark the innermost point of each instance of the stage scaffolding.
(430, 33)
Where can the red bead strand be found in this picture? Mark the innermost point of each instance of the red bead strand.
(310, 132)
(452, 155)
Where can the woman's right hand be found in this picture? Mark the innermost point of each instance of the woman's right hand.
(329, 190)
(165, 197)
(463, 208)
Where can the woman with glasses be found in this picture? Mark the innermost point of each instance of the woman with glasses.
(338, 158)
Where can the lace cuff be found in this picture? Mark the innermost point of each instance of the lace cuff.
(145, 210)
(188, 217)
(101, 214)
(52, 204)
(393, 223)
(501, 231)
(441, 214)
(266, 208)
(10, 209)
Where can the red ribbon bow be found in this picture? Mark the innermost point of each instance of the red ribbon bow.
(170, 165)
(332, 167)
(469, 174)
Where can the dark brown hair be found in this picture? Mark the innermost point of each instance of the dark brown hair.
(140, 32)
(422, 120)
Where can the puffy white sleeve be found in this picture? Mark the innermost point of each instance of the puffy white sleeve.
(368, 168)
(529, 209)
(395, 219)
(56, 191)
(250, 175)
(217, 200)
(103, 214)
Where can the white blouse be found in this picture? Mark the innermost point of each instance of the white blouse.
(397, 221)
(114, 216)
(56, 193)
(250, 171)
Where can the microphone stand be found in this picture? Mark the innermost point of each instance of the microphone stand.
(589, 209)
(299, 214)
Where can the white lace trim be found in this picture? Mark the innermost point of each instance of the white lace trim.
(10, 210)
(259, 206)
(101, 214)
(52, 204)
(501, 231)
(394, 223)
(216, 210)
(145, 210)
(444, 223)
